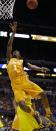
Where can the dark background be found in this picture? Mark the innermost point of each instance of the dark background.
(43, 15)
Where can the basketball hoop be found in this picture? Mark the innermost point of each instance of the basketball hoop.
(32, 4)
(6, 9)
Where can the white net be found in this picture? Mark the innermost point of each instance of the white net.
(6, 9)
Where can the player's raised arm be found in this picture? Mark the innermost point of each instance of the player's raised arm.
(13, 27)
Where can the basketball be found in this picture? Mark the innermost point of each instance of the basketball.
(32, 4)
